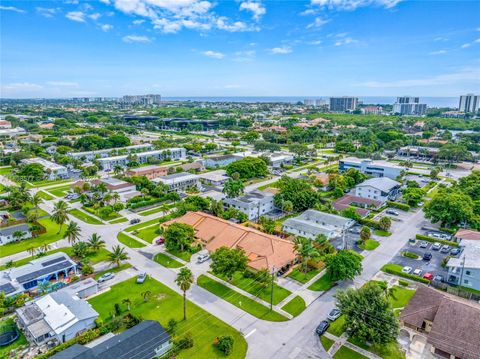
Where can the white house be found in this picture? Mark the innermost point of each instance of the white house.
(379, 189)
(311, 223)
(254, 204)
(7, 233)
(370, 167)
(91, 155)
(175, 154)
(214, 178)
(52, 169)
(179, 182)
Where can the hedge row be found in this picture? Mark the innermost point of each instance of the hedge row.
(145, 203)
(435, 240)
(388, 269)
(402, 206)
(370, 223)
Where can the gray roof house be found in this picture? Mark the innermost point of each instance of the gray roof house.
(254, 204)
(312, 223)
(146, 340)
(6, 233)
(58, 316)
(380, 189)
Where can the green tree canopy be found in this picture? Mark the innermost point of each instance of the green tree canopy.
(226, 261)
(179, 236)
(344, 265)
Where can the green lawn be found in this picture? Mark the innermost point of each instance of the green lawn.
(347, 353)
(59, 191)
(326, 342)
(164, 304)
(295, 307)
(147, 234)
(385, 351)
(322, 284)
(382, 233)
(302, 277)
(250, 306)
(5, 171)
(401, 296)
(369, 245)
(166, 261)
(142, 224)
(44, 195)
(96, 212)
(113, 270)
(118, 220)
(84, 217)
(129, 241)
(185, 255)
(49, 237)
(45, 183)
(336, 327)
(17, 343)
(161, 208)
(251, 286)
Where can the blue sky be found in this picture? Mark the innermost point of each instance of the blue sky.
(239, 48)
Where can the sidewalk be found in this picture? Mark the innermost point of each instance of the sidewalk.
(343, 341)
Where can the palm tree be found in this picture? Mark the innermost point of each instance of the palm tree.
(184, 280)
(72, 232)
(305, 251)
(31, 251)
(115, 197)
(128, 302)
(117, 169)
(146, 295)
(118, 255)
(59, 215)
(45, 248)
(44, 286)
(96, 242)
(18, 235)
(36, 200)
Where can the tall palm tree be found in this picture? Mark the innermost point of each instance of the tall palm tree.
(115, 197)
(184, 280)
(96, 242)
(36, 200)
(31, 251)
(59, 215)
(72, 232)
(146, 295)
(118, 255)
(128, 302)
(117, 169)
(305, 251)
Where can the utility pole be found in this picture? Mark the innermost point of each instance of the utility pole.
(463, 269)
(271, 288)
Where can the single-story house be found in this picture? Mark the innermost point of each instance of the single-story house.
(8, 234)
(467, 234)
(361, 204)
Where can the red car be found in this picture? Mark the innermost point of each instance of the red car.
(160, 240)
(428, 276)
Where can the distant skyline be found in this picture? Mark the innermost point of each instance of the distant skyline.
(186, 48)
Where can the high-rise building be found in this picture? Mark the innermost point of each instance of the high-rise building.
(343, 104)
(141, 99)
(309, 102)
(469, 103)
(407, 105)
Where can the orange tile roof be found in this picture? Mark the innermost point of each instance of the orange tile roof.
(467, 234)
(264, 251)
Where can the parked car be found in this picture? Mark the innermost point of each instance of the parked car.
(322, 327)
(423, 244)
(445, 248)
(418, 272)
(436, 246)
(412, 240)
(406, 269)
(455, 251)
(160, 240)
(141, 277)
(392, 212)
(135, 220)
(428, 276)
(334, 314)
(105, 277)
(438, 278)
(427, 256)
(355, 230)
(203, 258)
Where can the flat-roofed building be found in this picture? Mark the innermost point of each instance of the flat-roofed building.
(91, 155)
(52, 169)
(179, 182)
(174, 154)
(371, 167)
(214, 178)
(151, 172)
(380, 189)
(254, 204)
(220, 161)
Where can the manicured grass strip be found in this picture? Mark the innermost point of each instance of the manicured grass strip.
(326, 342)
(84, 217)
(400, 296)
(21, 340)
(118, 220)
(113, 270)
(97, 212)
(142, 224)
(185, 255)
(239, 300)
(369, 245)
(295, 307)
(60, 191)
(252, 286)
(302, 277)
(49, 182)
(52, 235)
(44, 195)
(164, 304)
(147, 234)
(382, 233)
(166, 261)
(322, 284)
(347, 353)
(5, 170)
(155, 210)
(386, 351)
(337, 327)
(129, 241)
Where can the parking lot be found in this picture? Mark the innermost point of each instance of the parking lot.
(422, 181)
(351, 239)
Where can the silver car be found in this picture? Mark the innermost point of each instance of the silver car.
(203, 258)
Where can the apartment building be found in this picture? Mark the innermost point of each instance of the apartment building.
(469, 103)
(174, 154)
(370, 167)
(343, 104)
(91, 155)
(409, 106)
(379, 189)
(254, 204)
(52, 169)
(179, 182)
(151, 172)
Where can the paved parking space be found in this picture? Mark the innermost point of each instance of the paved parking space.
(421, 180)
(351, 240)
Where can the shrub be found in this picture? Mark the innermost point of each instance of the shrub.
(225, 344)
(87, 269)
(402, 206)
(403, 283)
(117, 308)
(421, 237)
(410, 255)
(172, 326)
(185, 342)
(370, 223)
(131, 320)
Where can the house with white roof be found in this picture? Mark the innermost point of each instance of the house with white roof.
(52, 169)
(174, 154)
(311, 223)
(91, 155)
(254, 204)
(380, 189)
(464, 270)
(370, 167)
(179, 182)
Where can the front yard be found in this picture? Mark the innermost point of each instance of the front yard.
(129, 241)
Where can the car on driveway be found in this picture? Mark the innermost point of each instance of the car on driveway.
(428, 276)
(392, 212)
(203, 258)
(438, 278)
(418, 272)
(322, 327)
(436, 246)
(423, 244)
(334, 314)
(160, 240)
(135, 220)
(455, 251)
(427, 256)
(406, 269)
(445, 248)
(141, 278)
(105, 277)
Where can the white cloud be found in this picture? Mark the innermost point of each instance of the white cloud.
(477, 41)
(318, 22)
(107, 2)
(440, 38)
(465, 75)
(464, 46)
(138, 22)
(62, 83)
(255, 7)
(308, 12)
(47, 12)
(76, 16)
(136, 38)
(315, 42)
(94, 16)
(354, 4)
(214, 54)
(281, 50)
(11, 8)
(106, 27)
(345, 41)
(20, 86)
(237, 26)
(439, 52)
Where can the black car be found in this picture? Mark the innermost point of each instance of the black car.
(322, 327)
(427, 256)
(455, 251)
(135, 220)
